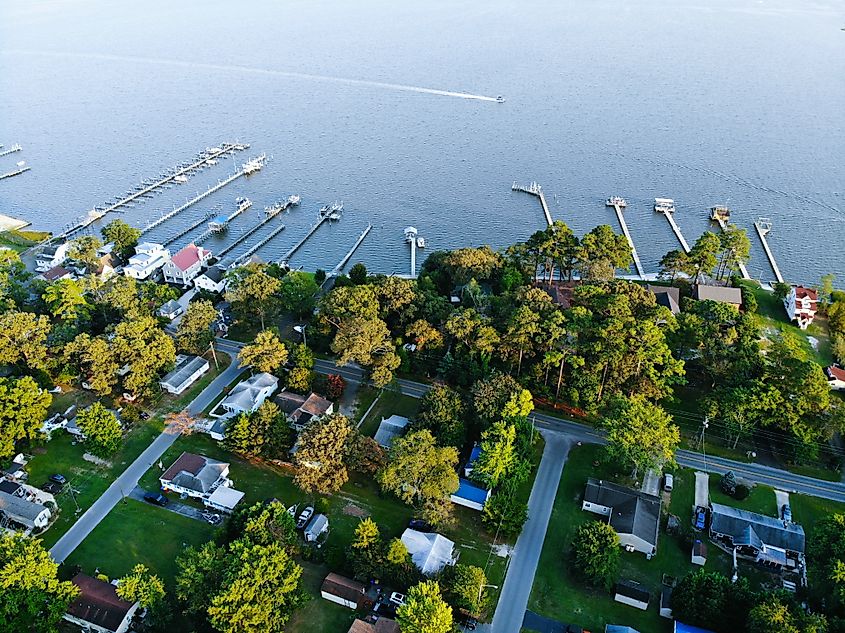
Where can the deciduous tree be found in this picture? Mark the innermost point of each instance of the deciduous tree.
(123, 236)
(23, 408)
(95, 360)
(640, 433)
(601, 252)
(497, 455)
(320, 459)
(101, 428)
(298, 292)
(13, 280)
(424, 610)
(267, 353)
(23, 339)
(193, 334)
(442, 411)
(595, 553)
(65, 298)
(142, 586)
(142, 345)
(84, 249)
(252, 292)
(465, 588)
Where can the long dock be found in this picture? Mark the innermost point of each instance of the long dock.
(536, 190)
(14, 148)
(742, 269)
(243, 237)
(143, 190)
(9, 174)
(624, 226)
(763, 226)
(677, 231)
(286, 257)
(184, 232)
(252, 249)
(211, 190)
(336, 270)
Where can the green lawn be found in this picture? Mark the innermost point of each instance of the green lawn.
(389, 403)
(136, 532)
(87, 481)
(319, 615)
(365, 397)
(761, 499)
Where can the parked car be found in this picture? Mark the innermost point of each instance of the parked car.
(304, 517)
(58, 479)
(668, 482)
(397, 598)
(145, 415)
(51, 487)
(786, 512)
(700, 518)
(156, 498)
(419, 525)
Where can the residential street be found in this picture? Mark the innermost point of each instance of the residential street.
(127, 481)
(513, 601)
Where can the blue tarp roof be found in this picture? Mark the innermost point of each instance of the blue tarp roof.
(221, 219)
(476, 451)
(680, 627)
(617, 628)
(469, 491)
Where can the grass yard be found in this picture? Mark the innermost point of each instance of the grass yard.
(761, 499)
(87, 481)
(136, 532)
(365, 397)
(389, 403)
(319, 615)
(167, 403)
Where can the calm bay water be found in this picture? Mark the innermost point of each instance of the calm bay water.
(727, 101)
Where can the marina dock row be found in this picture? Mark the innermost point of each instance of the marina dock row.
(249, 167)
(284, 259)
(252, 249)
(763, 226)
(336, 270)
(14, 148)
(618, 204)
(177, 174)
(536, 190)
(246, 234)
(666, 206)
(16, 172)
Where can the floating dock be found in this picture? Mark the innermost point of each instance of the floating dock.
(411, 238)
(618, 204)
(145, 188)
(763, 226)
(242, 172)
(536, 190)
(14, 148)
(666, 206)
(16, 172)
(721, 215)
(336, 270)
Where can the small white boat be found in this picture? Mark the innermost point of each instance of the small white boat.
(294, 200)
(420, 242)
(181, 179)
(500, 99)
(211, 161)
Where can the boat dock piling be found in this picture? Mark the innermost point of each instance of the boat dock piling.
(201, 160)
(286, 257)
(723, 224)
(14, 148)
(763, 226)
(336, 270)
(252, 249)
(193, 201)
(16, 172)
(535, 189)
(617, 206)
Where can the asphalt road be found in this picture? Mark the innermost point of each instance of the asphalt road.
(513, 601)
(128, 479)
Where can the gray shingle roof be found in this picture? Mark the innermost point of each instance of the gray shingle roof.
(750, 528)
(717, 293)
(633, 512)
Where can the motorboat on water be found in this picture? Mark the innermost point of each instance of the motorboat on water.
(420, 242)
(500, 99)
(181, 179)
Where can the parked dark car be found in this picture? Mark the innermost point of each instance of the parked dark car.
(51, 487)
(786, 512)
(56, 478)
(156, 498)
(145, 415)
(419, 525)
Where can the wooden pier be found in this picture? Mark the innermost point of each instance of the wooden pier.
(252, 249)
(14, 148)
(184, 232)
(336, 270)
(16, 172)
(536, 190)
(244, 236)
(201, 196)
(763, 226)
(618, 208)
(290, 252)
(143, 190)
(724, 225)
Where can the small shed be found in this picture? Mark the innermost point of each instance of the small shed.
(469, 495)
(619, 628)
(631, 593)
(389, 428)
(666, 602)
(699, 553)
(170, 310)
(224, 499)
(343, 591)
(318, 524)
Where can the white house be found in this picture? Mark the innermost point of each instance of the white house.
(634, 515)
(343, 591)
(51, 256)
(213, 279)
(55, 273)
(835, 377)
(318, 524)
(23, 507)
(147, 260)
(430, 552)
(98, 608)
(801, 305)
(195, 475)
(185, 265)
(302, 410)
(171, 309)
(187, 371)
(249, 394)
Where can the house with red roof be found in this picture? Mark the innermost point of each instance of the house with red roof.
(801, 305)
(185, 265)
(835, 377)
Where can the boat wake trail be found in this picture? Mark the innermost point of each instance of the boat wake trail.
(258, 71)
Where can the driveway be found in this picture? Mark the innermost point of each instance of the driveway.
(513, 601)
(702, 489)
(128, 479)
(174, 506)
(651, 483)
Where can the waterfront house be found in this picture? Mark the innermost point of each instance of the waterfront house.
(51, 256)
(149, 257)
(345, 592)
(470, 495)
(634, 515)
(302, 410)
(171, 310)
(801, 305)
(98, 608)
(720, 294)
(185, 265)
(666, 296)
(212, 279)
(389, 428)
(429, 551)
(187, 371)
(763, 539)
(835, 377)
(248, 394)
(22, 507)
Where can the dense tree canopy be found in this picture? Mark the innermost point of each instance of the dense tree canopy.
(101, 428)
(424, 610)
(595, 553)
(266, 353)
(23, 409)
